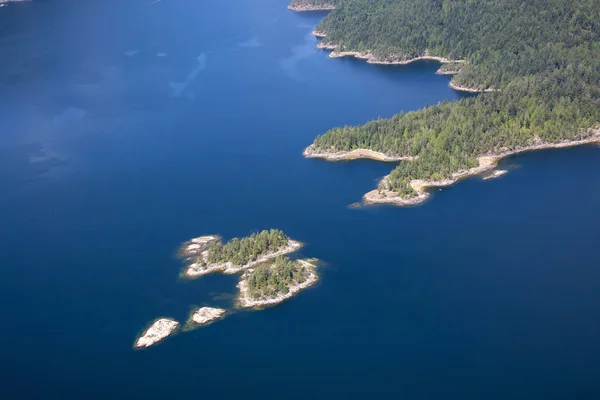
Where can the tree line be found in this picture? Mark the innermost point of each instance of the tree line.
(544, 56)
(269, 280)
(247, 249)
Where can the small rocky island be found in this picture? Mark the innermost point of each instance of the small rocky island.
(207, 254)
(272, 283)
(158, 331)
(205, 315)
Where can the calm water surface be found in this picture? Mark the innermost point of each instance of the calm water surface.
(130, 126)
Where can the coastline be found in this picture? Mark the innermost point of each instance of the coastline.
(156, 332)
(370, 58)
(193, 271)
(486, 162)
(245, 301)
(352, 155)
(468, 89)
(310, 7)
(197, 245)
(451, 72)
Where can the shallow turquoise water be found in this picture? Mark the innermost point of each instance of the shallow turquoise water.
(131, 126)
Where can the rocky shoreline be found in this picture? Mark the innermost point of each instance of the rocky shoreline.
(495, 174)
(194, 270)
(469, 89)
(486, 162)
(372, 59)
(197, 245)
(449, 72)
(158, 331)
(245, 301)
(310, 7)
(309, 152)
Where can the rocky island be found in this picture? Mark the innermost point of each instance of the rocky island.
(208, 254)
(157, 332)
(204, 316)
(270, 284)
(269, 277)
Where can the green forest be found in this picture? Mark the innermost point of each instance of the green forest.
(247, 249)
(269, 280)
(542, 56)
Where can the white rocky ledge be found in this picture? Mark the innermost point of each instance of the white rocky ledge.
(158, 331)
(204, 315)
(195, 270)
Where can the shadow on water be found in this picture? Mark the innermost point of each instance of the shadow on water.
(23, 165)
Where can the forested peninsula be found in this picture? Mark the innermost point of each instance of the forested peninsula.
(536, 64)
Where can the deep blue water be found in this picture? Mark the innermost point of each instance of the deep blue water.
(129, 127)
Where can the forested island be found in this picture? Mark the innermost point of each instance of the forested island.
(273, 283)
(208, 254)
(537, 64)
(269, 277)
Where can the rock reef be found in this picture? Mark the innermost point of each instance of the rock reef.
(495, 174)
(197, 245)
(204, 315)
(158, 331)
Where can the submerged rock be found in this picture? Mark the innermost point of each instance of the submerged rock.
(497, 173)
